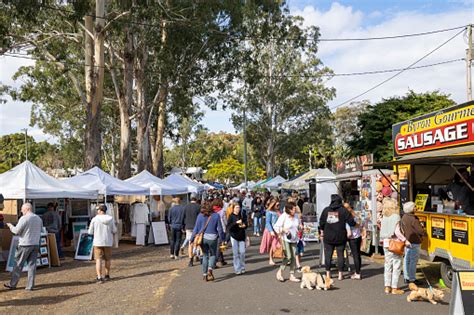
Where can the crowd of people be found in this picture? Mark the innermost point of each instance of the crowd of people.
(210, 225)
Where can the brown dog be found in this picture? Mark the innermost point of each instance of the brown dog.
(419, 294)
(312, 279)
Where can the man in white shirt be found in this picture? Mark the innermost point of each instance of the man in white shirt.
(29, 230)
(103, 228)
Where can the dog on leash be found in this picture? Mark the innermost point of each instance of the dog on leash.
(419, 294)
(312, 279)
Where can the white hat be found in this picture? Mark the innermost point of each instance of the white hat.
(408, 207)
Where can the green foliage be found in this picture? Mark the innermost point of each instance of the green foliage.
(229, 170)
(14, 152)
(376, 123)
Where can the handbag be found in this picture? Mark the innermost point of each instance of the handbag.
(278, 250)
(198, 238)
(396, 247)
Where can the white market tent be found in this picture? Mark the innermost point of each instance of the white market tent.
(274, 183)
(27, 181)
(242, 186)
(184, 182)
(156, 185)
(106, 184)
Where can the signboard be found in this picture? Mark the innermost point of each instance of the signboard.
(462, 296)
(310, 232)
(420, 202)
(438, 228)
(354, 164)
(158, 234)
(459, 231)
(450, 127)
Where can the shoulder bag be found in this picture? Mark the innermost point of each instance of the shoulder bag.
(198, 238)
(396, 246)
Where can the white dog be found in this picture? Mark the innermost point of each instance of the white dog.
(313, 279)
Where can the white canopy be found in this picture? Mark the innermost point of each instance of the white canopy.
(274, 183)
(185, 182)
(106, 184)
(27, 181)
(301, 183)
(156, 185)
(250, 184)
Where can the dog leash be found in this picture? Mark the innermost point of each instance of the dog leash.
(426, 279)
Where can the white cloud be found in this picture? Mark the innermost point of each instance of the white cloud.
(356, 56)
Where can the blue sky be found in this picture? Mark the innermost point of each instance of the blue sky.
(345, 19)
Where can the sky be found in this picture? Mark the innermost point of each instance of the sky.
(345, 19)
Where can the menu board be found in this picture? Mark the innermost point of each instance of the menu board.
(459, 232)
(438, 228)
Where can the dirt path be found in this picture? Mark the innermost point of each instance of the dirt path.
(140, 276)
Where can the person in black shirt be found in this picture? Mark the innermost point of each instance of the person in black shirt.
(236, 226)
(191, 211)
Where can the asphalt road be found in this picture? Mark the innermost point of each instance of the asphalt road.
(258, 291)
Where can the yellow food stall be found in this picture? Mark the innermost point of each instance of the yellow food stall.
(434, 154)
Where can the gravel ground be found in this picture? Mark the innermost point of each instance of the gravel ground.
(140, 276)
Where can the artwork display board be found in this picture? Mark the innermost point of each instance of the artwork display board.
(84, 248)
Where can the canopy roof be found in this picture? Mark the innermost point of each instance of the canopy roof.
(184, 182)
(250, 184)
(156, 185)
(27, 181)
(274, 183)
(300, 183)
(106, 184)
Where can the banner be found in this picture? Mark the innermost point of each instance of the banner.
(355, 164)
(450, 127)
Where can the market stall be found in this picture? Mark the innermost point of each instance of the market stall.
(274, 183)
(108, 186)
(434, 154)
(27, 182)
(184, 182)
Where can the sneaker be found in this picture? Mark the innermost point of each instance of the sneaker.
(8, 286)
(238, 273)
(107, 278)
(99, 280)
(387, 290)
(29, 289)
(171, 256)
(397, 291)
(242, 271)
(294, 279)
(224, 263)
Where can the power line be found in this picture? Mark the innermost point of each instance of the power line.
(398, 73)
(269, 38)
(273, 76)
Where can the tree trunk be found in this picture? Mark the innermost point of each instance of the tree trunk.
(94, 73)
(125, 171)
(143, 138)
(158, 164)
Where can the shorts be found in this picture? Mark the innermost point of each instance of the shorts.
(189, 233)
(102, 252)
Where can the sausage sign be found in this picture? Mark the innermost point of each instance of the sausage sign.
(450, 127)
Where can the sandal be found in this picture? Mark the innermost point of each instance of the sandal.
(271, 263)
(294, 279)
(279, 276)
(355, 277)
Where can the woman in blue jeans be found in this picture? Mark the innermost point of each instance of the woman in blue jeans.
(209, 223)
(414, 233)
(236, 226)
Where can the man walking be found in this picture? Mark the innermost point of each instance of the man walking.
(29, 230)
(176, 221)
(191, 211)
(103, 228)
(52, 223)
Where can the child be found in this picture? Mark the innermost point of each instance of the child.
(299, 249)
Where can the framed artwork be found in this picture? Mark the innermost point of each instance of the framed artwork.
(77, 227)
(43, 241)
(44, 261)
(79, 208)
(11, 255)
(84, 247)
(43, 250)
(38, 261)
(158, 234)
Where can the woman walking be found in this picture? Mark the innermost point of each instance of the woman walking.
(236, 227)
(390, 230)
(269, 239)
(257, 213)
(287, 226)
(355, 240)
(209, 223)
(332, 225)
